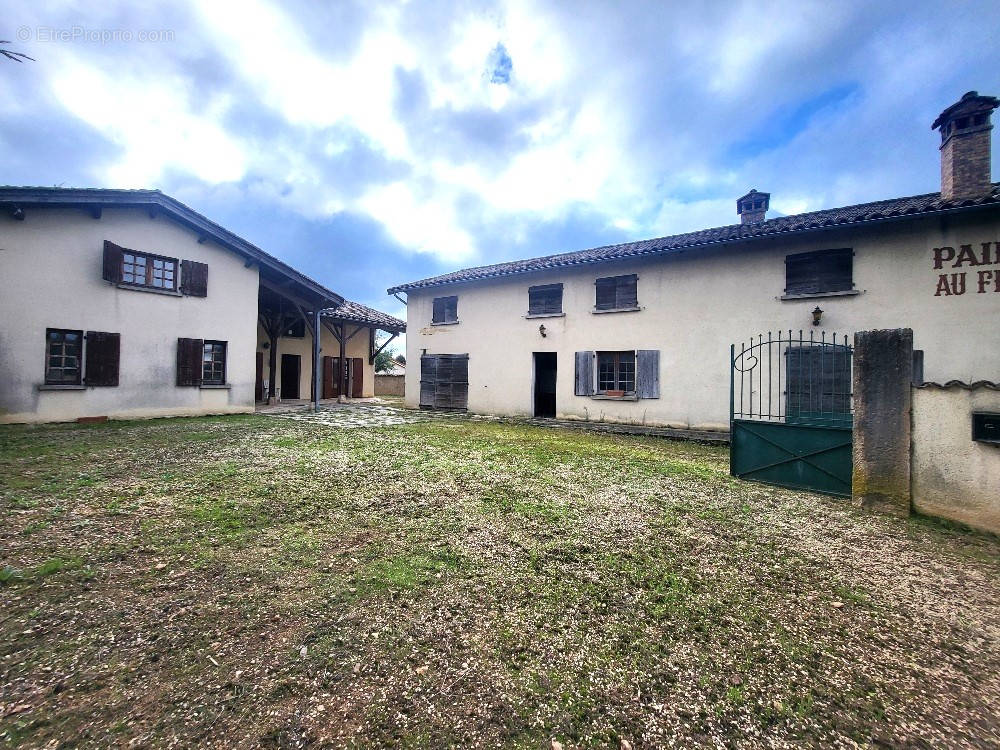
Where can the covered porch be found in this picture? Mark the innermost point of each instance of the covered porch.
(314, 345)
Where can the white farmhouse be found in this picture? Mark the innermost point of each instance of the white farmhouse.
(641, 332)
(127, 303)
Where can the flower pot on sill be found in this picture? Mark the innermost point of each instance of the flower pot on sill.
(614, 394)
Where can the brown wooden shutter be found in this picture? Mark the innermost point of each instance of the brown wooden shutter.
(605, 294)
(189, 354)
(194, 278)
(647, 373)
(583, 384)
(103, 354)
(328, 379)
(112, 262)
(545, 299)
(626, 291)
(357, 377)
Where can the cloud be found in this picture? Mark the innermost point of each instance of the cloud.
(466, 134)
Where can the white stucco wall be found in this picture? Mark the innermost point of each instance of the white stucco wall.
(357, 347)
(953, 476)
(694, 305)
(50, 276)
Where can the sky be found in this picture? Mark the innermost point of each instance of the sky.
(369, 144)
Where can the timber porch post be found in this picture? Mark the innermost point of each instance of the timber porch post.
(316, 331)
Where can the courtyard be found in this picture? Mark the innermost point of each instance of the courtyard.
(273, 581)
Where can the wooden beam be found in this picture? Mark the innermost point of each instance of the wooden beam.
(331, 328)
(281, 291)
(384, 345)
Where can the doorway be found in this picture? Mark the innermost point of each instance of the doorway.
(545, 384)
(291, 370)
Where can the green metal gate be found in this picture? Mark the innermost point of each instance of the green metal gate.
(790, 411)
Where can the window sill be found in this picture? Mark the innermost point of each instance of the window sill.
(602, 397)
(532, 316)
(595, 311)
(150, 289)
(815, 295)
(215, 386)
(60, 387)
(446, 323)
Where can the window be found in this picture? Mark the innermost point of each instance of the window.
(616, 372)
(296, 330)
(617, 293)
(63, 356)
(213, 363)
(545, 299)
(149, 270)
(445, 310)
(819, 272)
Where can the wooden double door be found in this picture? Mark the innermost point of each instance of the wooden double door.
(333, 376)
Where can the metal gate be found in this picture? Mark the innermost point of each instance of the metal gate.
(791, 411)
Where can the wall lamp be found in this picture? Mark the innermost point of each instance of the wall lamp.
(541, 330)
(817, 316)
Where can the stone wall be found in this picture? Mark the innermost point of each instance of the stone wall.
(390, 385)
(953, 476)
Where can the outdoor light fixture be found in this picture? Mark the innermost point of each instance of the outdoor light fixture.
(541, 330)
(817, 316)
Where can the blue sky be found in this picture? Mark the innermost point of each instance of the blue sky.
(369, 144)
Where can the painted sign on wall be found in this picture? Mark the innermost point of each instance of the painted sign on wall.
(980, 281)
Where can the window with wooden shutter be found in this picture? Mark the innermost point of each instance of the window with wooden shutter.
(444, 381)
(647, 373)
(102, 361)
(189, 364)
(445, 310)
(194, 278)
(617, 293)
(213, 363)
(616, 372)
(583, 376)
(820, 272)
(545, 299)
(63, 356)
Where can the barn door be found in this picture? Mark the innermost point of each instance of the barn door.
(444, 381)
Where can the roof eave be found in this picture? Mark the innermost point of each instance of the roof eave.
(416, 286)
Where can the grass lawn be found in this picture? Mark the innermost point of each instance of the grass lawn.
(255, 581)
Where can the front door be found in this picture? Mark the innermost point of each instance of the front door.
(291, 369)
(545, 384)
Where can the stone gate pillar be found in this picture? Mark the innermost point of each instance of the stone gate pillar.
(883, 372)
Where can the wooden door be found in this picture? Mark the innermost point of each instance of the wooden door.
(258, 388)
(357, 377)
(291, 372)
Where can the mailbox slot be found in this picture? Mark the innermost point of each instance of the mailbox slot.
(986, 427)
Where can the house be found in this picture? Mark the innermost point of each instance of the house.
(641, 332)
(127, 303)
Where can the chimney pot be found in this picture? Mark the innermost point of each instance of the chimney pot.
(752, 207)
(965, 146)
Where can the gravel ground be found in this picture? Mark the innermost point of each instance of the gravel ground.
(252, 581)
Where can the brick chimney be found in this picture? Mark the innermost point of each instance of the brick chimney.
(965, 146)
(752, 207)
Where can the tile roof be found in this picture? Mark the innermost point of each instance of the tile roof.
(355, 312)
(894, 208)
